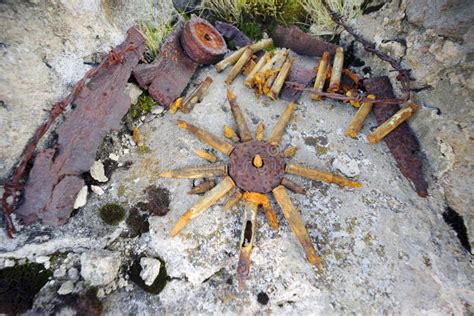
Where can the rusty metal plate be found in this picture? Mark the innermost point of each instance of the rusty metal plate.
(251, 179)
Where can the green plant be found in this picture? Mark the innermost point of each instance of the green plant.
(154, 35)
(112, 213)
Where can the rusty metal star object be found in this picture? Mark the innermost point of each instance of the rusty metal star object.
(256, 168)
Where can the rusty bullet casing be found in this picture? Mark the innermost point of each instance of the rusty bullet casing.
(249, 81)
(336, 73)
(210, 198)
(276, 68)
(242, 128)
(196, 95)
(318, 175)
(234, 57)
(290, 151)
(237, 68)
(210, 171)
(357, 122)
(321, 75)
(293, 186)
(398, 118)
(260, 131)
(246, 242)
(205, 155)
(229, 133)
(207, 138)
(296, 224)
(280, 127)
(280, 79)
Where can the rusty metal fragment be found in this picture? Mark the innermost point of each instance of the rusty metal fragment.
(231, 33)
(298, 79)
(55, 178)
(233, 200)
(249, 178)
(202, 42)
(402, 142)
(301, 42)
(323, 68)
(169, 74)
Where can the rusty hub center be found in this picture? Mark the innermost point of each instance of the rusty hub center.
(250, 178)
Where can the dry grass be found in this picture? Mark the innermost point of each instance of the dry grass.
(157, 25)
(284, 12)
(226, 10)
(322, 23)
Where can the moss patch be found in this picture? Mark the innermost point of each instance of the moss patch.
(19, 285)
(137, 222)
(144, 105)
(160, 281)
(112, 214)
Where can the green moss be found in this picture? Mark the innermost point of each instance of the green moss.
(112, 214)
(292, 12)
(250, 28)
(144, 105)
(19, 285)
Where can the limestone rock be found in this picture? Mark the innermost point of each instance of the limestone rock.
(97, 172)
(81, 198)
(100, 267)
(346, 165)
(150, 269)
(66, 288)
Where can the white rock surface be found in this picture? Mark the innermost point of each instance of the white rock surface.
(97, 171)
(150, 270)
(99, 268)
(81, 198)
(349, 167)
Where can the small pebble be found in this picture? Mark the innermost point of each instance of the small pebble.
(97, 172)
(157, 110)
(114, 157)
(81, 198)
(66, 288)
(97, 190)
(60, 272)
(9, 263)
(73, 274)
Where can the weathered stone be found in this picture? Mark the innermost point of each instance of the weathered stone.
(448, 17)
(81, 198)
(231, 33)
(99, 268)
(150, 269)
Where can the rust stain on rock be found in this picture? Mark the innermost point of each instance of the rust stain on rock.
(55, 178)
